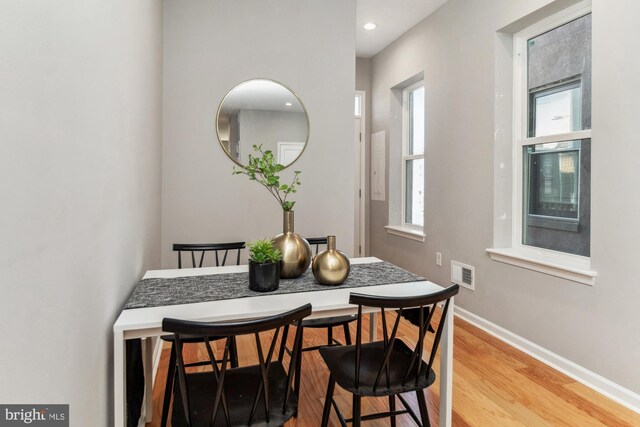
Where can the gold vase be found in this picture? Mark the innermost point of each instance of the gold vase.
(296, 252)
(331, 267)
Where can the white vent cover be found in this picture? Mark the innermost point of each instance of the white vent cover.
(463, 275)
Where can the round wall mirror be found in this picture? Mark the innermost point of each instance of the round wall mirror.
(266, 112)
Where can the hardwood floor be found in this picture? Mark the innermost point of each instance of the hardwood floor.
(493, 385)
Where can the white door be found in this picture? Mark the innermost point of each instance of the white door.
(288, 152)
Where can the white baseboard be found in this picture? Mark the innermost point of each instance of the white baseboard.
(600, 384)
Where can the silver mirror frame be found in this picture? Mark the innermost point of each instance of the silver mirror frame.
(306, 115)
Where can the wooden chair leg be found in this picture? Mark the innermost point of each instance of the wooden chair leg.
(327, 401)
(347, 334)
(168, 388)
(392, 409)
(356, 411)
(422, 405)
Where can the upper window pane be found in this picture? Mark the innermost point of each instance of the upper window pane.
(559, 79)
(416, 122)
(558, 110)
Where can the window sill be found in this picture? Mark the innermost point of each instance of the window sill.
(406, 232)
(570, 267)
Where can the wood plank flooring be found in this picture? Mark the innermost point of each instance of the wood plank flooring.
(493, 385)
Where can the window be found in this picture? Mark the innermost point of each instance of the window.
(542, 217)
(406, 161)
(553, 135)
(413, 155)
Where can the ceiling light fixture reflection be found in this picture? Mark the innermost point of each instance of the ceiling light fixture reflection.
(370, 26)
(288, 104)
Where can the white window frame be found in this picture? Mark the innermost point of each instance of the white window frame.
(358, 104)
(560, 264)
(405, 150)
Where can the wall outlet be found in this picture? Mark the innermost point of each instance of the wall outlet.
(439, 259)
(463, 275)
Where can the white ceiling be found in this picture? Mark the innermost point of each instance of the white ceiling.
(261, 94)
(393, 18)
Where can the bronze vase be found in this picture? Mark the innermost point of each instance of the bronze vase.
(296, 252)
(331, 267)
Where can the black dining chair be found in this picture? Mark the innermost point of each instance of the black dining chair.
(200, 249)
(317, 242)
(329, 322)
(256, 395)
(388, 367)
(203, 248)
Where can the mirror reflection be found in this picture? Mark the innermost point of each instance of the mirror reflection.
(263, 112)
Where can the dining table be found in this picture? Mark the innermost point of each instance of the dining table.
(218, 293)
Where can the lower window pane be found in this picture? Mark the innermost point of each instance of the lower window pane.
(553, 180)
(556, 202)
(414, 192)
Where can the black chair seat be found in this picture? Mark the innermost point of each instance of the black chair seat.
(328, 322)
(240, 389)
(340, 361)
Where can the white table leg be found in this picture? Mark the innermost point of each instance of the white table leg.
(119, 383)
(446, 370)
(147, 352)
(373, 327)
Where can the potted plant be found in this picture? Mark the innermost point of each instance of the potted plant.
(264, 266)
(296, 252)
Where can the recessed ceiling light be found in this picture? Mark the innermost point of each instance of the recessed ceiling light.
(370, 26)
(288, 104)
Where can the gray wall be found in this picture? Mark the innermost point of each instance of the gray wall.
(80, 113)
(209, 47)
(457, 48)
(268, 128)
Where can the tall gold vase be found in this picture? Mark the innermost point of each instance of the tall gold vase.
(296, 252)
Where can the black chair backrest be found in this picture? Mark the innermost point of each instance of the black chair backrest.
(317, 241)
(182, 329)
(427, 305)
(202, 248)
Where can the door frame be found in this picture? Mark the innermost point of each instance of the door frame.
(360, 181)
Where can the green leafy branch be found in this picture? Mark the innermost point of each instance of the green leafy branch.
(265, 171)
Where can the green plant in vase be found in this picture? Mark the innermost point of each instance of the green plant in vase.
(263, 168)
(264, 266)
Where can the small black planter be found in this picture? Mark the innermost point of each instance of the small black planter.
(264, 277)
